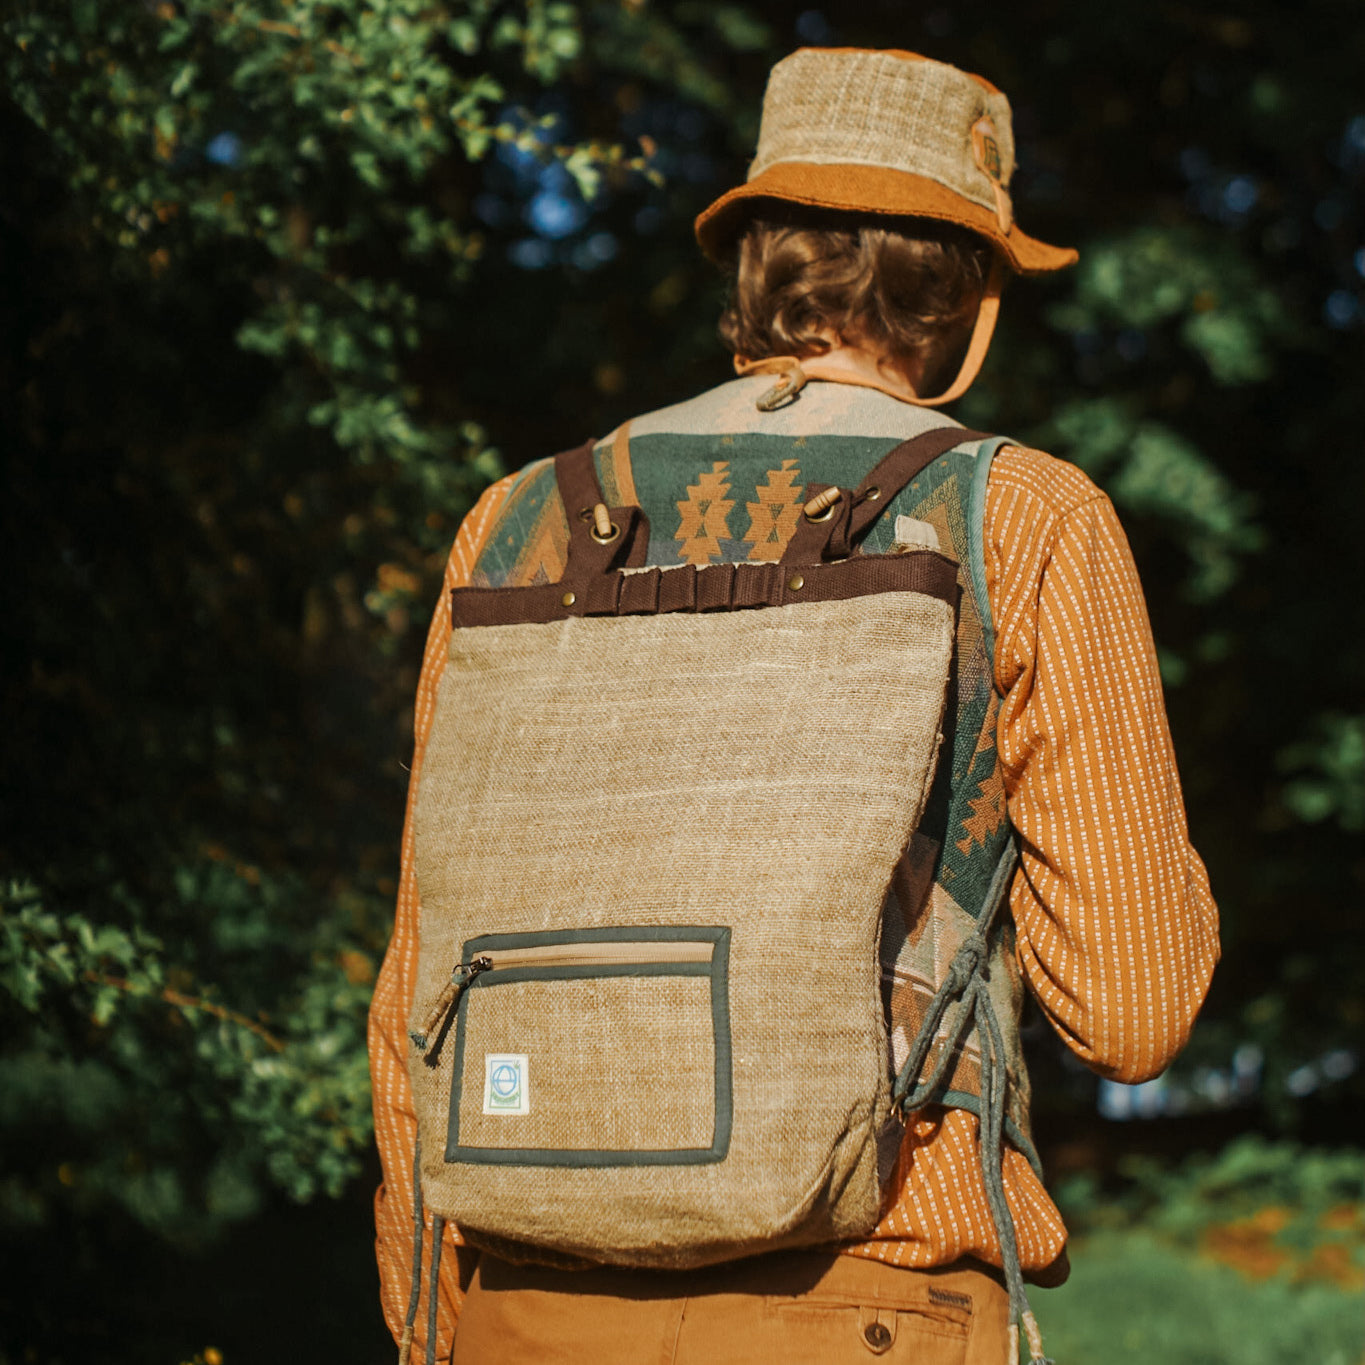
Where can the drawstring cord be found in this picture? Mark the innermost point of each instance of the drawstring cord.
(415, 1293)
(966, 980)
(438, 1236)
(438, 1233)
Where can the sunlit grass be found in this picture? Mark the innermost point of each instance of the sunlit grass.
(1135, 1300)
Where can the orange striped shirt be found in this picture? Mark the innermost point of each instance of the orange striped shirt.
(1117, 930)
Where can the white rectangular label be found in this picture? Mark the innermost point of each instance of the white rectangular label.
(505, 1087)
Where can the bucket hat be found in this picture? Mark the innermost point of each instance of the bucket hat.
(884, 132)
(892, 134)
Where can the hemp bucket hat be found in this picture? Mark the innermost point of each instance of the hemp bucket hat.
(888, 133)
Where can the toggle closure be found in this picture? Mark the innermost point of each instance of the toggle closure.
(821, 506)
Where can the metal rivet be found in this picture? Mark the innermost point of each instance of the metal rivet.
(796, 582)
(569, 599)
(877, 1335)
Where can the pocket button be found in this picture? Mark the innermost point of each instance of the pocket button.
(878, 1337)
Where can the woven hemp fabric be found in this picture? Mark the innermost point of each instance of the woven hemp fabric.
(755, 770)
(873, 109)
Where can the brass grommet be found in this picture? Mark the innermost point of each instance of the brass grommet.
(795, 583)
(585, 514)
(873, 493)
(605, 539)
(569, 599)
(821, 516)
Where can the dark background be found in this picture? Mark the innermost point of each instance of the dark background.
(283, 287)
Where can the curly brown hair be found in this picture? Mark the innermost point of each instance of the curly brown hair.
(908, 296)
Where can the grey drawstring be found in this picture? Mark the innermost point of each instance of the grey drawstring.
(966, 980)
(415, 1293)
(438, 1236)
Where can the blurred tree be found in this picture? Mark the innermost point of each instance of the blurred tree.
(277, 279)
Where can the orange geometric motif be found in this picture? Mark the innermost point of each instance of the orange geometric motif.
(703, 516)
(773, 518)
(988, 810)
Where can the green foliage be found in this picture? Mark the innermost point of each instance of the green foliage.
(1181, 1203)
(1189, 285)
(1254, 1254)
(108, 1030)
(1152, 471)
(200, 123)
(1131, 1300)
(1332, 763)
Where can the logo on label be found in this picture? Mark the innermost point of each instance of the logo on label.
(505, 1088)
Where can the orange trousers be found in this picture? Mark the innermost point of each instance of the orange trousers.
(789, 1308)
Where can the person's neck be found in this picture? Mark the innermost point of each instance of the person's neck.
(853, 364)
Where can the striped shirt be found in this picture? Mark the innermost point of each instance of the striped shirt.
(1117, 932)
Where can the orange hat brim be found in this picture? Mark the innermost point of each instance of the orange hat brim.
(872, 190)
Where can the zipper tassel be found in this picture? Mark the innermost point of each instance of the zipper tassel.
(446, 1002)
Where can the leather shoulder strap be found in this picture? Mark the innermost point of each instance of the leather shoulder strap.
(590, 552)
(835, 529)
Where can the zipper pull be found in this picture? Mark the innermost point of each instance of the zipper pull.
(447, 1001)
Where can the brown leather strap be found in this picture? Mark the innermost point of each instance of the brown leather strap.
(815, 541)
(576, 474)
(838, 531)
(896, 469)
(713, 587)
(580, 492)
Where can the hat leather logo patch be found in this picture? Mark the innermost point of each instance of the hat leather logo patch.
(986, 150)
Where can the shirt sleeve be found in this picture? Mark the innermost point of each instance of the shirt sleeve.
(395, 1121)
(1117, 929)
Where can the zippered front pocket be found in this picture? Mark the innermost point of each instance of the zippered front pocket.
(592, 1047)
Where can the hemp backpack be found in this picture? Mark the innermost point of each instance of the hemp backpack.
(657, 820)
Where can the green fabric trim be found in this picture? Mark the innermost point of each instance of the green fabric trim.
(718, 969)
(644, 933)
(505, 976)
(976, 524)
(962, 1099)
(586, 1159)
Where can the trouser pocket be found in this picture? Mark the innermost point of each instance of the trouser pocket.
(819, 1330)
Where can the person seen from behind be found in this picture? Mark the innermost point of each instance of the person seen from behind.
(869, 244)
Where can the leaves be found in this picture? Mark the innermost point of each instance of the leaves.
(1151, 278)
(293, 1096)
(1332, 767)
